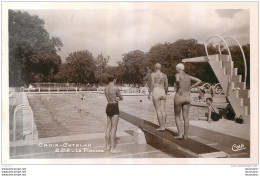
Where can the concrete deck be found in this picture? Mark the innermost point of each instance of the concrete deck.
(226, 127)
(89, 146)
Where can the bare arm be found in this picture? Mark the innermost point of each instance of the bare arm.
(176, 83)
(106, 93)
(152, 83)
(118, 94)
(166, 84)
(209, 113)
(196, 80)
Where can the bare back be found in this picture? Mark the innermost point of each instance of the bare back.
(183, 81)
(112, 93)
(159, 79)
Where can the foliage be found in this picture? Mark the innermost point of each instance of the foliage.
(135, 63)
(239, 60)
(101, 64)
(80, 67)
(170, 54)
(32, 53)
(33, 58)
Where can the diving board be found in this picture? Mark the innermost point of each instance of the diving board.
(165, 141)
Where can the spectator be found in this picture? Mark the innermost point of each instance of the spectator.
(213, 112)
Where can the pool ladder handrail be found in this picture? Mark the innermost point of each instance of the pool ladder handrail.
(244, 58)
(22, 106)
(224, 40)
(229, 53)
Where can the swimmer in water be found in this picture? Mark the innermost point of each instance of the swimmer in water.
(159, 89)
(113, 95)
(182, 98)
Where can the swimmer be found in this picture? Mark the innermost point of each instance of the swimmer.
(159, 89)
(82, 97)
(213, 112)
(182, 98)
(113, 95)
(202, 94)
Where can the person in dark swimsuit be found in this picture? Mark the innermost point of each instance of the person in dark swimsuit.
(159, 89)
(213, 112)
(113, 95)
(182, 98)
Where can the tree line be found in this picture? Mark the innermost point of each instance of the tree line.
(33, 58)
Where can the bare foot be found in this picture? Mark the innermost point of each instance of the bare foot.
(185, 137)
(209, 121)
(179, 137)
(114, 151)
(108, 147)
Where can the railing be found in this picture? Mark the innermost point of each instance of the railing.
(58, 87)
(242, 54)
(22, 106)
(222, 39)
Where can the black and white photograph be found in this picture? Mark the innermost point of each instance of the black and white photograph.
(129, 83)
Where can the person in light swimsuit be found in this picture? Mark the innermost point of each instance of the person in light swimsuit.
(159, 89)
(113, 95)
(182, 98)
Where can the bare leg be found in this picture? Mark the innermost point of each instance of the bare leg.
(185, 113)
(209, 116)
(114, 122)
(163, 103)
(108, 131)
(157, 105)
(177, 112)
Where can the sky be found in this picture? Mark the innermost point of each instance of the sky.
(115, 32)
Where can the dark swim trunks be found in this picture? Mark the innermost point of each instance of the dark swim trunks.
(112, 109)
(215, 116)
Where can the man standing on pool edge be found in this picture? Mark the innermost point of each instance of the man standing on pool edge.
(182, 98)
(113, 95)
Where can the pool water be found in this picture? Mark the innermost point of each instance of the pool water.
(67, 114)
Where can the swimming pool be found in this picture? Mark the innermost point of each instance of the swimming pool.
(67, 114)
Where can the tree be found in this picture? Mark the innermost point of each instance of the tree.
(101, 63)
(238, 59)
(135, 63)
(65, 74)
(32, 53)
(82, 67)
(170, 54)
(121, 72)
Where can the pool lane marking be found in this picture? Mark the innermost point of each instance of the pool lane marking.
(33, 154)
(62, 100)
(75, 97)
(68, 102)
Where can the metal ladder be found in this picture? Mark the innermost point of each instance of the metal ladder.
(27, 107)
